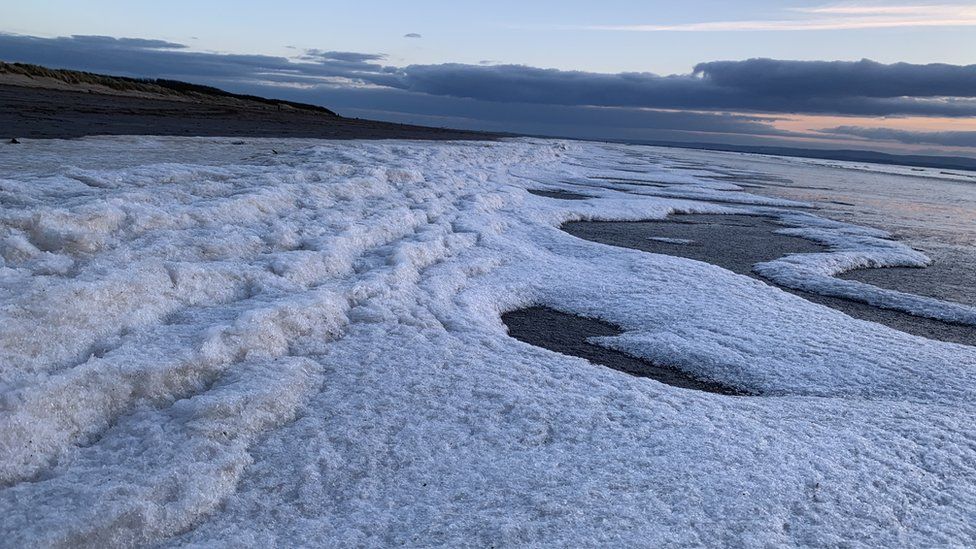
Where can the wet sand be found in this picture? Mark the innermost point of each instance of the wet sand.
(40, 113)
(950, 278)
(567, 334)
(737, 242)
(929, 210)
(558, 194)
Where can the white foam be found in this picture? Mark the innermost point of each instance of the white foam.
(305, 348)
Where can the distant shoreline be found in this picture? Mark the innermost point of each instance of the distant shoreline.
(50, 113)
(41, 103)
(42, 113)
(842, 155)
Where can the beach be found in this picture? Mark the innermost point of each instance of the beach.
(257, 341)
(65, 112)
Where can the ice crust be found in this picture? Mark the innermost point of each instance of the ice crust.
(306, 349)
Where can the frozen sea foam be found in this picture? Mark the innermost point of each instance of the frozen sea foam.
(202, 343)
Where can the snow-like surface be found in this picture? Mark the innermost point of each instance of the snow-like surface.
(305, 349)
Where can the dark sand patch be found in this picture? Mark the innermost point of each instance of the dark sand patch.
(619, 185)
(737, 242)
(639, 182)
(732, 201)
(561, 195)
(674, 191)
(735, 177)
(567, 334)
(949, 279)
(806, 187)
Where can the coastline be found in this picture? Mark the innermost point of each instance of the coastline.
(239, 332)
(48, 113)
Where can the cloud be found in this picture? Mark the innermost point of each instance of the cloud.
(154, 58)
(948, 138)
(412, 35)
(571, 121)
(760, 85)
(110, 42)
(828, 17)
(863, 88)
(861, 9)
(862, 78)
(641, 106)
(349, 56)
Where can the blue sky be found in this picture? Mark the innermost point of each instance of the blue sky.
(538, 33)
(608, 37)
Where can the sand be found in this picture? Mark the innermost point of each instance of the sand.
(31, 112)
(737, 242)
(568, 334)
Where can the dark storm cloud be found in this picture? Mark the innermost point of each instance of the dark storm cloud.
(700, 90)
(129, 56)
(158, 59)
(947, 139)
(861, 88)
(829, 79)
(116, 43)
(617, 117)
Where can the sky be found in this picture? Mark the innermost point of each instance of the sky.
(897, 76)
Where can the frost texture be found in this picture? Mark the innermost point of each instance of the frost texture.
(305, 348)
